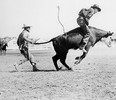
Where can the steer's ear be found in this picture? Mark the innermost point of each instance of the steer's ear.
(110, 33)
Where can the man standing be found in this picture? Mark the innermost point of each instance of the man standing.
(83, 22)
(23, 43)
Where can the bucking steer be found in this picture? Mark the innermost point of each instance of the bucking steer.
(72, 40)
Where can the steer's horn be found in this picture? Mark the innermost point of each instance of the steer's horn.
(110, 33)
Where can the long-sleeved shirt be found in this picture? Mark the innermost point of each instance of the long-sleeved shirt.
(87, 13)
(23, 39)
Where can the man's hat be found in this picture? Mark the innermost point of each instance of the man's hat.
(25, 27)
(96, 6)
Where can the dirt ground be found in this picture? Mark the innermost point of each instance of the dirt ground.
(93, 79)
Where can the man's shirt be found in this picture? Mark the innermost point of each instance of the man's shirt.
(21, 39)
(87, 13)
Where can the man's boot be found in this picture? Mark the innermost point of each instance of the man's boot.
(85, 41)
(35, 68)
(84, 50)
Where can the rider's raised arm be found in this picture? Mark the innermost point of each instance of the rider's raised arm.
(90, 13)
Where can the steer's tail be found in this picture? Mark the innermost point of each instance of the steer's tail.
(44, 42)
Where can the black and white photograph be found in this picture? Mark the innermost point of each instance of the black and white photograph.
(57, 50)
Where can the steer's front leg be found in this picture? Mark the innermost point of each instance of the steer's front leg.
(79, 59)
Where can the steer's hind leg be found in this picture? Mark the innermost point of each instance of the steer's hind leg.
(55, 59)
(63, 61)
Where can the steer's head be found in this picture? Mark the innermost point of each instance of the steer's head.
(109, 34)
(107, 41)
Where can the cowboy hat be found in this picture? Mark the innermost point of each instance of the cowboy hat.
(25, 27)
(96, 6)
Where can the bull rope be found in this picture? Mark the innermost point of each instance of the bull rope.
(59, 19)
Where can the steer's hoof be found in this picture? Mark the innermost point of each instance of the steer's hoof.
(77, 62)
(77, 58)
(59, 68)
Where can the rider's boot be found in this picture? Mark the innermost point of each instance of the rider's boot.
(84, 42)
(84, 50)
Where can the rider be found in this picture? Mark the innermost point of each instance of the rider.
(83, 22)
(23, 41)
